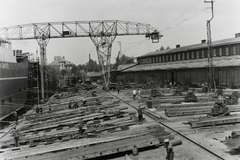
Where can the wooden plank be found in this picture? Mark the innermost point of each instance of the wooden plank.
(122, 122)
(99, 149)
(187, 113)
(173, 112)
(215, 121)
(184, 105)
(66, 145)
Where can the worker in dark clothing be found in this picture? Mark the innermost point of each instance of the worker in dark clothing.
(84, 102)
(169, 149)
(75, 105)
(50, 107)
(140, 114)
(70, 105)
(80, 127)
(118, 89)
(37, 109)
(15, 116)
(41, 109)
(16, 136)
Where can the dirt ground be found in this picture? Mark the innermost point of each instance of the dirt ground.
(211, 137)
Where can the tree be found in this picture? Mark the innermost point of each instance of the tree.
(83, 74)
(92, 66)
(162, 48)
(64, 72)
(123, 60)
(168, 47)
(74, 70)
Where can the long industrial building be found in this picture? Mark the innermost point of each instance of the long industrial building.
(189, 64)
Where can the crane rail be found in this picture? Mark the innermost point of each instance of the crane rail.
(159, 119)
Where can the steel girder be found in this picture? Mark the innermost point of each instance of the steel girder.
(74, 29)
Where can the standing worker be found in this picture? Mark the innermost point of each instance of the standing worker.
(139, 95)
(75, 105)
(15, 116)
(169, 149)
(140, 114)
(41, 109)
(37, 109)
(118, 89)
(50, 107)
(80, 127)
(16, 136)
(134, 94)
(70, 105)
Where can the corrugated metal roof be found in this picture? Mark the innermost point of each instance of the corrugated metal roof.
(224, 61)
(94, 74)
(125, 66)
(194, 47)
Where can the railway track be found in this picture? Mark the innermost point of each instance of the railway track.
(159, 119)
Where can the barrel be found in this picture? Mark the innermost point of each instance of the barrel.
(149, 104)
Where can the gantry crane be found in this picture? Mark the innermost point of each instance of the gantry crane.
(102, 33)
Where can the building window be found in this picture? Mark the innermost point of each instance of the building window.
(179, 56)
(160, 58)
(214, 52)
(157, 60)
(234, 51)
(183, 56)
(174, 57)
(153, 59)
(227, 51)
(192, 55)
(197, 54)
(170, 57)
(166, 58)
(203, 54)
(220, 52)
(163, 58)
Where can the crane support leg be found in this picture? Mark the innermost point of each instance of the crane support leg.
(42, 42)
(104, 46)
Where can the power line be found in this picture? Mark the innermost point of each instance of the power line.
(175, 22)
(139, 43)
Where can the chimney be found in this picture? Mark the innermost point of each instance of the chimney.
(203, 41)
(237, 35)
(178, 45)
(89, 57)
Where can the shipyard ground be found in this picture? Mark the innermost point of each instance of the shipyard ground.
(210, 137)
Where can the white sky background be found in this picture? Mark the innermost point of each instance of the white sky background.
(181, 22)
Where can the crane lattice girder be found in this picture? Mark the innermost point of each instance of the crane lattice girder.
(75, 29)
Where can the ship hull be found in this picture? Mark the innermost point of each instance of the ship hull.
(13, 85)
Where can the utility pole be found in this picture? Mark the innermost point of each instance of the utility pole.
(120, 47)
(212, 84)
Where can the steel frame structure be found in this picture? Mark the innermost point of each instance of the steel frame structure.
(102, 33)
(212, 84)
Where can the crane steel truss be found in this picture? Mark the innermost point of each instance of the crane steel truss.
(102, 33)
(212, 84)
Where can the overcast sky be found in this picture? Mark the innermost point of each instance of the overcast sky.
(180, 21)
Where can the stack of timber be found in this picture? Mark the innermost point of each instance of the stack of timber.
(213, 121)
(157, 102)
(108, 128)
(194, 109)
(91, 147)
